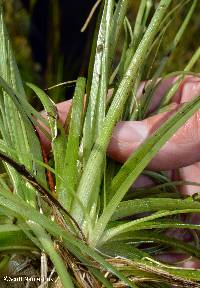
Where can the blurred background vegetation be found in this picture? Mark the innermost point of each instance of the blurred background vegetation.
(50, 48)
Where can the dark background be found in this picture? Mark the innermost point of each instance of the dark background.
(67, 18)
(48, 41)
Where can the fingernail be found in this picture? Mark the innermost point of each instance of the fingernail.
(130, 131)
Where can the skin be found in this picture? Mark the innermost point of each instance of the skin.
(180, 152)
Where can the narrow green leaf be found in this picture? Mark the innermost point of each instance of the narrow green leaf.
(116, 25)
(140, 224)
(71, 172)
(138, 27)
(131, 207)
(124, 250)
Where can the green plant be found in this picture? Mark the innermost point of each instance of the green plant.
(81, 226)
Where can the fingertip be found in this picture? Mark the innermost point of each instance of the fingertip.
(127, 136)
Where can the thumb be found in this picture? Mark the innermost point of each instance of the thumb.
(181, 150)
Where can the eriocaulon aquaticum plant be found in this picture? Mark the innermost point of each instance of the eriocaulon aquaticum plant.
(79, 212)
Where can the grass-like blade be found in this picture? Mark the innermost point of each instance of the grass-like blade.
(142, 223)
(72, 158)
(131, 207)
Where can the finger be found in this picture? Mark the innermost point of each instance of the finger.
(180, 151)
